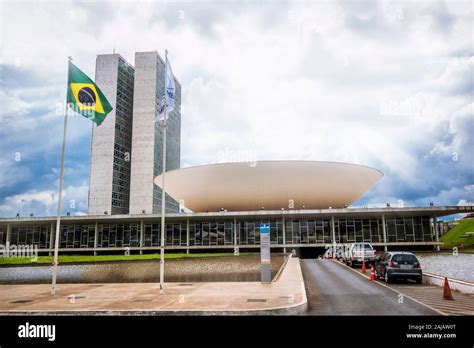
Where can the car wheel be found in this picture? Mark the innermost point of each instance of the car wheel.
(351, 263)
(387, 278)
(418, 280)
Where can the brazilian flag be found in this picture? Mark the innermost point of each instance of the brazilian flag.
(85, 97)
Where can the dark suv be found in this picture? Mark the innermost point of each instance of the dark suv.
(398, 265)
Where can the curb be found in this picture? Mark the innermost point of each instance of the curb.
(282, 268)
(462, 286)
(296, 309)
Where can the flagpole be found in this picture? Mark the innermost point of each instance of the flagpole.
(58, 216)
(163, 194)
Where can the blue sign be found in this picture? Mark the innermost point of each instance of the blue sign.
(264, 228)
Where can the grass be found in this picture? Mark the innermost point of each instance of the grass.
(102, 258)
(456, 235)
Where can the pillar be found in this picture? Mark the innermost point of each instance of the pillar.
(236, 246)
(436, 231)
(187, 236)
(51, 238)
(96, 237)
(333, 235)
(284, 236)
(7, 241)
(384, 230)
(142, 233)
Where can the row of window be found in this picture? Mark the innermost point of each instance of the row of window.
(123, 116)
(208, 233)
(120, 182)
(31, 235)
(122, 140)
(172, 206)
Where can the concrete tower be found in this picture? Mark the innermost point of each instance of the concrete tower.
(109, 182)
(147, 135)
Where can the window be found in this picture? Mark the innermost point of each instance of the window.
(404, 258)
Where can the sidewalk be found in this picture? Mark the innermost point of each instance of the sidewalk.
(284, 296)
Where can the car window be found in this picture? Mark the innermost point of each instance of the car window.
(404, 258)
(362, 247)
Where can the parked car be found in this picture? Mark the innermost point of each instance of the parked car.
(393, 265)
(358, 253)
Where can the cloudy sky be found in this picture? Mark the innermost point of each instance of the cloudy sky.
(381, 83)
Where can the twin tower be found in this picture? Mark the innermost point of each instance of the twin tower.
(127, 148)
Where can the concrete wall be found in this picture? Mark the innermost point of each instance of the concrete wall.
(102, 154)
(222, 268)
(455, 284)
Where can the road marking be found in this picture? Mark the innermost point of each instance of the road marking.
(388, 287)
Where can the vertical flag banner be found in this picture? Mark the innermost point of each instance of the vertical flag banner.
(166, 108)
(85, 97)
(169, 94)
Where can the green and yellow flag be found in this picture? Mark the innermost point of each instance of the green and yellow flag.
(85, 97)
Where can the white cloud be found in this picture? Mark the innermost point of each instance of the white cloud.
(465, 202)
(12, 172)
(284, 81)
(457, 77)
(458, 195)
(460, 142)
(74, 200)
(11, 103)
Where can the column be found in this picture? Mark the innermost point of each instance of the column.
(142, 232)
(7, 241)
(51, 238)
(187, 236)
(236, 246)
(333, 233)
(96, 237)
(436, 231)
(284, 236)
(384, 230)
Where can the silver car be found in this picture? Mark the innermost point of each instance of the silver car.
(358, 253)
(398, 265)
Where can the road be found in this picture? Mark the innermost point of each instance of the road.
(333, 289)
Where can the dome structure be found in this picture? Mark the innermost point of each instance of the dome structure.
(269, 185)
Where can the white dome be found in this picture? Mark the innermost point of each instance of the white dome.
(269, 184)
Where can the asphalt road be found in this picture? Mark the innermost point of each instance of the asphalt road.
(333, 289)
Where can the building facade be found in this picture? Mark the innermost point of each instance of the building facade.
(147, 136)
(126, 151)
(383, 227)
(109, 182)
